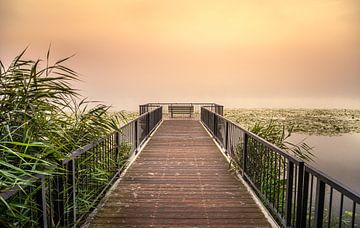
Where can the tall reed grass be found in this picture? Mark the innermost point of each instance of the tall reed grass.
(42, 120)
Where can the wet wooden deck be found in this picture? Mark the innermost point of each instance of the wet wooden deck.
(180, 179)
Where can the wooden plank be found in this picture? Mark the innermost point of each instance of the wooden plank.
(180, 179)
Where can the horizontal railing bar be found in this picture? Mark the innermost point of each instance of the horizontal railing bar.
(259, 139)
(91, 145)
(9, 193)
(83, 149)
(337, 185)
(137, 118)
(167, 103)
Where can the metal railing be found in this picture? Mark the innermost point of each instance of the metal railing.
(27, 202)
(197, 107)
(65, 198)
(296, 194)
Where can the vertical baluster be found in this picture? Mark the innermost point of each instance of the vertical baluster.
(271, 200)
(41, 203)
(299, 203)
(109, 153)
(295, 196)
(72, 194)
(275, 190)
(226, 136)
(289, 191)
(136, 136)
(319, 203)
(283, 188)
(117, 149)
(267, 179)
(353, 214)
(245, 152)
(278, 183)
(330, 206)
(305, 195)
(59, 202)
(262, 170)
(341, 209)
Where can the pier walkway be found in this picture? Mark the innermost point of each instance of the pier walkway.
(180, 179)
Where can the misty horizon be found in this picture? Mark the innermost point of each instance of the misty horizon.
(266, 54)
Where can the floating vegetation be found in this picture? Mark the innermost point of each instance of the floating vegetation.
(308, 121)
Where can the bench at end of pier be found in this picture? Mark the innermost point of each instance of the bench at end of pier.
(181, 109)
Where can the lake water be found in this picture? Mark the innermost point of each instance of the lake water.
(337, 156)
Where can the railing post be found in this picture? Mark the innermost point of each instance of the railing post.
(171, 111)
(208, 119)
(289, 188)
(319, 203)
(136, 136)
(59, 195)
(41, 202)
(72, 196)
(161, 113)
(215, 126)
(148, 124)
(219, 109)
(305, 199)
(226, 136)
(117, 147)
(299, 203)
(245, 152)
(201, 114)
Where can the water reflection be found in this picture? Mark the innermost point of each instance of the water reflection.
(337, 156)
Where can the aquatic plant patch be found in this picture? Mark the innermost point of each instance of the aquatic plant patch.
(307, 121)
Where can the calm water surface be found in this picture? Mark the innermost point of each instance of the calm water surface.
(337, 156)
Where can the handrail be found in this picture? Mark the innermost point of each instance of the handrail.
(90, 145)
(197, 106)
(168, 103)
(93, 167)
(354, 195)
(295, 193)
(259, 139)
(12, 191)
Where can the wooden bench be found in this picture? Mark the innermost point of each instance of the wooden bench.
(181, 109)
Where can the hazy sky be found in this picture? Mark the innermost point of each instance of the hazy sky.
(257, 53)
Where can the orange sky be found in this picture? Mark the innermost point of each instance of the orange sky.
(257, 53)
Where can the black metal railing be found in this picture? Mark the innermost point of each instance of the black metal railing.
(296, 194)
(196, 107)
(25, 205)
(63, 199)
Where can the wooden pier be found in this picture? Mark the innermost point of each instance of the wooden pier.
(180, 179)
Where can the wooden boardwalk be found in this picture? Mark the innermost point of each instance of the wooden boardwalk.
(180, 179)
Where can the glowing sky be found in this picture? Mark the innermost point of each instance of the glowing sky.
(257, 53)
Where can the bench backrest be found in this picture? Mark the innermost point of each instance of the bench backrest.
(181, 109)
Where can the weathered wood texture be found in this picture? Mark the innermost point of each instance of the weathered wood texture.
(180, 179)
